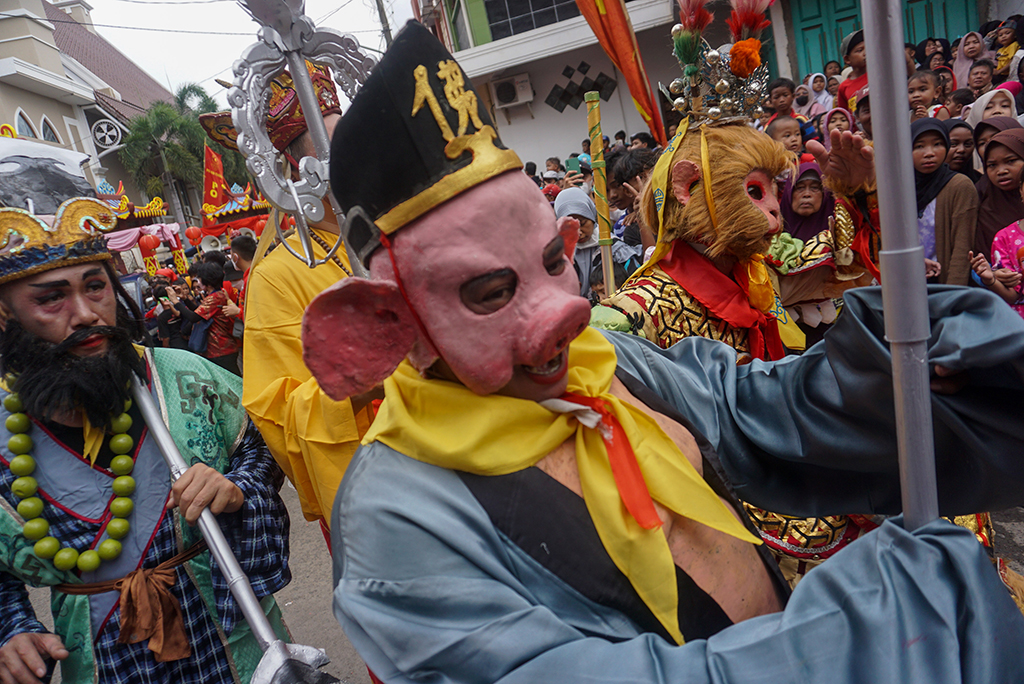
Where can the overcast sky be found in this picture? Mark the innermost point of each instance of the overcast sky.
(177, 58)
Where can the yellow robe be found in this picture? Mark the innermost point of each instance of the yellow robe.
(309, 434)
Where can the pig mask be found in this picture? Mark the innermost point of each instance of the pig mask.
(489, 281)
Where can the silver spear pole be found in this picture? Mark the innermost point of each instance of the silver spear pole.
(904, 294)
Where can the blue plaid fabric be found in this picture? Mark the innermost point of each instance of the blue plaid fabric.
(258, 534)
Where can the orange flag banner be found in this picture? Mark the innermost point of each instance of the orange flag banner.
(215, 189)
(609, 21)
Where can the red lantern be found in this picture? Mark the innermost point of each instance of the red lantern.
(259, 226)
(194, 235)
(149, 242)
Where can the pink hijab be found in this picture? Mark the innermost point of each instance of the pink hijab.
(962, 63)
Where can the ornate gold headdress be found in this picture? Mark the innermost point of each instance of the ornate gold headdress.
(726, 84)
(28, 245)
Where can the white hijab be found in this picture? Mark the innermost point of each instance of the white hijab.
(823, 98)
(974, 117)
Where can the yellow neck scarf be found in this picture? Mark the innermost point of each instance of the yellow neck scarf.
(447, 425)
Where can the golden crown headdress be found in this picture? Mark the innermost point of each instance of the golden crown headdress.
(723, 85)
(29, 245)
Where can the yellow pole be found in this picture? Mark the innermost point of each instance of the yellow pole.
(604, 220)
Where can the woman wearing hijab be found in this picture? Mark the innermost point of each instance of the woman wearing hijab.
(819, 90)
(971, 49)
(947, 206)
(996, 102)
(806, 205)
(960, 157)
(984, 131)
(804, 104)
(1000, 202)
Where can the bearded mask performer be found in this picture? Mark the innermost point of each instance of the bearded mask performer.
(87, 497)
(541, 501)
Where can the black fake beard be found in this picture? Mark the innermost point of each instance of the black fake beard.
(50, 380)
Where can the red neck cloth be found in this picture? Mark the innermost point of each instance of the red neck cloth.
(724, 297)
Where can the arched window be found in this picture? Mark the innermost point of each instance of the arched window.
(24, 126)
(49, 134)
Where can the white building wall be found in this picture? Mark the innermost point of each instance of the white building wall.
(550, 133)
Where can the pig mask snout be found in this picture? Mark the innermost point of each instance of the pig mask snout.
(555, 322)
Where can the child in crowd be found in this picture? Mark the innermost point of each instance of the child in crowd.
(959, 99)
(833, 88)
(856, 58)
(1003, 276)
(786, 130)
(947, 206)
(863, 112)
(998, 102)
(820, 93)
(597, 289)
(781, 93)
(1006, 38)
(836, 120)
(832, 68)
(960, 157)
(922, 91)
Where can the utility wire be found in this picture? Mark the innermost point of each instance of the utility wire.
(161, 30)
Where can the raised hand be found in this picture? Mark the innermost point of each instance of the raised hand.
(851, 162)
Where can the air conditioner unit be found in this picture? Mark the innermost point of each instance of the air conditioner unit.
(511, 91)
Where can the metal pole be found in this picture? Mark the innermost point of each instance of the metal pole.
(238, 583)
(904, 293)
(604, 221)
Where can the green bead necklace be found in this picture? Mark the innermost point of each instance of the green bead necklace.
(25, 487)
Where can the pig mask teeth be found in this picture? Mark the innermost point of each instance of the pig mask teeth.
(458, 242)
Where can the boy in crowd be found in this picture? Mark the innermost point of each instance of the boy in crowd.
(642, 141)
(786, 130)
(780, 95)
(833, 68)
(957, 100)
(979, 79)
(922, 89)
(863, 112)
(855, 56)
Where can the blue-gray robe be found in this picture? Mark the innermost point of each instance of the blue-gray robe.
(429, 589)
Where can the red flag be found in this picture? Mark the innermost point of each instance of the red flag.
(215, 189)
(610, 23)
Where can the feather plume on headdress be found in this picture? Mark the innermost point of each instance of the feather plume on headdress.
(746, 23)
(694, 17)
(748, 19)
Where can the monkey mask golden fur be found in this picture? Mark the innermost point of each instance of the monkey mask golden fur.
(734, 151)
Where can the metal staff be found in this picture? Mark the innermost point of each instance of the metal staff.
(604, 221)
(281, 662)
(904, 294)
(288, 38)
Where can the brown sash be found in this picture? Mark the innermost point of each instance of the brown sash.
(148, 608)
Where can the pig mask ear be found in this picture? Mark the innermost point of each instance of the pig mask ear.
(354, 335)
(684, 174)
(569, 229)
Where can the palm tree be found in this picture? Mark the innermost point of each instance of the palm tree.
(161, 146)
(167, 143)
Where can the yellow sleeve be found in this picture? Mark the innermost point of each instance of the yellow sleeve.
(310, 435)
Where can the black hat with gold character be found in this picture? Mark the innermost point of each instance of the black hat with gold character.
(416, 135)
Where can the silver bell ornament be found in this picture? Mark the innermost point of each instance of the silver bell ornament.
(726, 103)
(676, 30)
(722, 87)
(680, 104)
(758, 113)
(676, 87)
(713, 57)
(715, 113)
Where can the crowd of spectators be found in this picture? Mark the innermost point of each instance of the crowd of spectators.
(965, 107)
